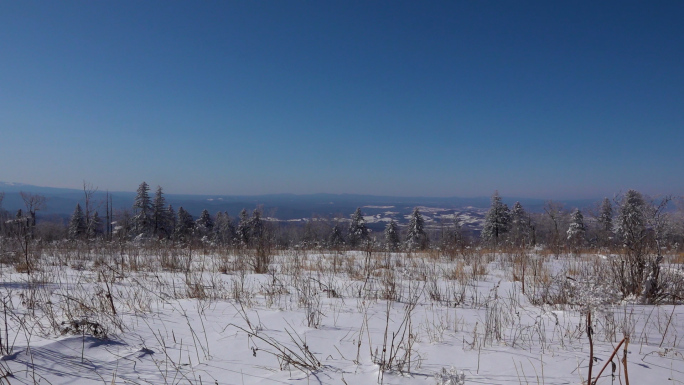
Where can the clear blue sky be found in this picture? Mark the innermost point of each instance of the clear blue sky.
(548, 99)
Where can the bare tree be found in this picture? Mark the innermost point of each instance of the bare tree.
(657, 222)
(554, 211)
(33, 203)
(88, 192)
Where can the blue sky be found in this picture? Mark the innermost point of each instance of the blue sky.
(537, 99)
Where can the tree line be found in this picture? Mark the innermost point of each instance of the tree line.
(630, 221)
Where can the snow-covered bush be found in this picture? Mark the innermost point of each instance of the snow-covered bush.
(450, 377)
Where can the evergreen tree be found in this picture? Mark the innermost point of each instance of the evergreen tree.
(358, 232)
(632, 231)
(605, 223)
(631, 221)
(336, 238)
(77, 225)
(160, 214)
(309, 237)
(520, 225)
(416, 238)
(256, 226)
(243, 229)
(392, 236)
(142, 207)
(576, 230)
(497, 220)
(204, 225)
(170, 221)
(184, 224)
(224, 229)
(94, 226)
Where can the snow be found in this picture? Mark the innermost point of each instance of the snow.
(194, 324)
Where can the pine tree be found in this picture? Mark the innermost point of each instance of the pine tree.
(336, 238)
(170, 221)
(392, 236)
(94, 226)
(160, 215)
(358, 232)
(416, 238)
(223, 229)
(142, 208)
(204, 224)
(576, 230)
(631, 221)
(243, 229)
(631, 230)
(77, 225)
(184, 224)
(256, 226)
(521, 228)
(497, 220)
(309, 238)
(605, 222)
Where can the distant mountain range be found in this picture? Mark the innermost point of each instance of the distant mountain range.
(288, 207)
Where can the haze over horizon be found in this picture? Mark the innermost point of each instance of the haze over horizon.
(535, 99)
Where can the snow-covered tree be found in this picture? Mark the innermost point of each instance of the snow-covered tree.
(224, 229)
(160, 215)
(142, 208)
(243, 229)
(416, 238)
(336, 238)
(171, 220)
(256, 226)
(184, 224)
(497, 220)
(358, 232)
(77, 224)
(631, 222)
(576, 230)
(631, 230)
(521, 226)
(94, 227)
(204, 224)
(392, 236)
(605, 222)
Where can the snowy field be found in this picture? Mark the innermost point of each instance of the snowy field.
(170, 316)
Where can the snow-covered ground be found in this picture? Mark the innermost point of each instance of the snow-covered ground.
(141, 316)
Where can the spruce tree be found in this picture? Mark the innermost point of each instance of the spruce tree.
(520, 229)
(142, 207)
(94, 226)
(605, 223)
(243, 229)
(416, 238)
(392, 236)
(160, 215)
(358, 232)
(170, 221)
(497, 220)
(223, 229)
(204, 224)
(256, 226)
(576, 230)
(336, 238)
(77, 225)
(631, 230)
(631, 221)
(184, 225)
